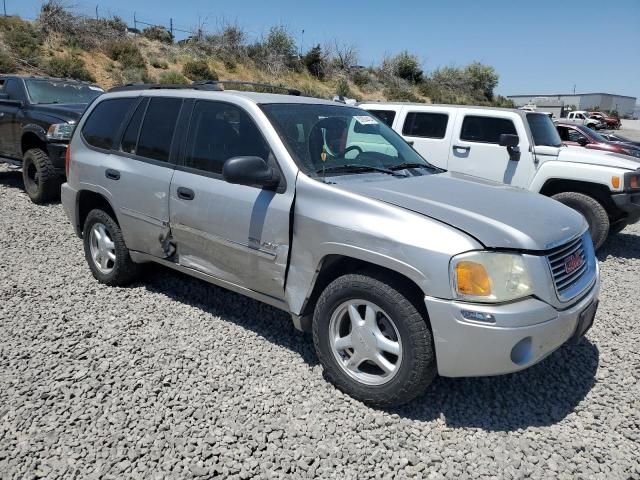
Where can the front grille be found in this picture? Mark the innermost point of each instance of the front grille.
(558, 258)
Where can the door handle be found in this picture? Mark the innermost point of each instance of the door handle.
(112, 174)
(186, 193)
(460, 147)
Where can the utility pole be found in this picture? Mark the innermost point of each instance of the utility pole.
(301, 42)
(171, 28)
(97, 17)
(574, 88)
(135, 24)
(4, 4)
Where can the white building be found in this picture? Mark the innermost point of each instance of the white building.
(606, 102)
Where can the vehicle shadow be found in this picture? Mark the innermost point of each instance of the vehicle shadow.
(268, 322)
(11, 178)
(621, 245)
(541, 395)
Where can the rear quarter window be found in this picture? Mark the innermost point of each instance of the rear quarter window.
(426, 125)
(104, 122)
(485, 129)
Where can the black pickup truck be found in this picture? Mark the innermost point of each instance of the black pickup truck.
(37, 117)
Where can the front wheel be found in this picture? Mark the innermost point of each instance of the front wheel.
(591, 210)
(372, 341)
(41, 181)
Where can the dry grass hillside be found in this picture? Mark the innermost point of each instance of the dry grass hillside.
(104, 51)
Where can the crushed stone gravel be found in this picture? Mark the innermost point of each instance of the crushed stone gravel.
(174, 378)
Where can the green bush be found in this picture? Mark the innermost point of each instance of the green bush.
(198, 70)
(7, 63)
(137, 75)
(157, 33)
(400, 94)
(407, 67)
(127, 53)
(157, 63)
(22, 38)
(342, 87)
(172, 78)
(315, 62)
(68, 66)
(361, 77)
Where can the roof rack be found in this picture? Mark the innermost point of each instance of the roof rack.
(210, 85)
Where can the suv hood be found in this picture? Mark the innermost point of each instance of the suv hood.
(597, 157)
(496, 215)
(68, 112)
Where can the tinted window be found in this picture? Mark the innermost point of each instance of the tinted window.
(218, 132)
(428, 125)
(158, 127)
(103, 123)
(543, 130)
(386, 116)
(130, 137)
(485, 129)
(12, 88)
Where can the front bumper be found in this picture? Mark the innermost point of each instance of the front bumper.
(68, 197)
(629, 203)
(57, 153)
(523, 333)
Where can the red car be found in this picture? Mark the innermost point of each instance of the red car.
(609, 121)
(580, 135)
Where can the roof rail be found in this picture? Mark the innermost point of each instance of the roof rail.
(211, 85)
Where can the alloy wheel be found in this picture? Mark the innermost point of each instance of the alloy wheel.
(103, 250)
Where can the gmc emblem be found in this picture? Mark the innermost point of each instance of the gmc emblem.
(573, 263)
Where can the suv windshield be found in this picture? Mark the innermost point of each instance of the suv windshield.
(341, 140)
(543, 130)
(54, 91)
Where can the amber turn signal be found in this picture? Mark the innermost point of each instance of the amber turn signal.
(472, 279)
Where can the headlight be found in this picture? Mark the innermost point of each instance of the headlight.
(490, 277)
(632, 181)
(60, 131)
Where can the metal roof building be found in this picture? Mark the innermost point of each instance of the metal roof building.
(623, 104)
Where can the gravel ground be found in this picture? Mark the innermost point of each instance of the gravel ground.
(173, 378)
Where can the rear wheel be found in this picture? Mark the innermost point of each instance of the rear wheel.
(372, 341)
(41, 181)
(105, 251)
(592, 211)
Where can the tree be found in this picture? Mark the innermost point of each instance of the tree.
(407, 67)
(481, 79)
(345, 55)
(315, 62)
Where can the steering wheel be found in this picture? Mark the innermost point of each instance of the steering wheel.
(352, 147)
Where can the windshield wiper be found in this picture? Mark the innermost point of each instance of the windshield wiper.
(354, 167)
(403, 166)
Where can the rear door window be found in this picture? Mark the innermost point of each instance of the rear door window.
(158, 127)
(220, 131)
(385, 116)
(485, 129)
(104, 122)
(426, 125)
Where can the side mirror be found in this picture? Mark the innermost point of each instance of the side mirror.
(508, 140)
(582, 141)
(250, 171)
(4, 98)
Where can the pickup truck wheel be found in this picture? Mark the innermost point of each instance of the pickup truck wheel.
(41, 181)
(106, 253)
(591, 210)
(372, 341)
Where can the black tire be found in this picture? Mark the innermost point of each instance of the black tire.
(41, 181)
(123, 270)
(591, 210)
(418, 364)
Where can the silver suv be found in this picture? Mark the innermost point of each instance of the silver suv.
(401, 270)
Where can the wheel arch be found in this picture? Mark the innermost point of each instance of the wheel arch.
(33, 138)
(332, 266)
(598, 191)
(88, 200)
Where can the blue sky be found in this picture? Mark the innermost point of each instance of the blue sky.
(537, 46)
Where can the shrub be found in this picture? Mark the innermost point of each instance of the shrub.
(7, 63)
(315, 62)
(197, 70)
(127, 53)
(68, 66)
(137, 75)
(407, 67)
(361, 77)
(400, 94)
(158, 33)
(157, 63)
(172, 78)
(22, 38)
(342, 87)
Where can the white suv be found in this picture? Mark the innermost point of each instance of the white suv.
(522, 149)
